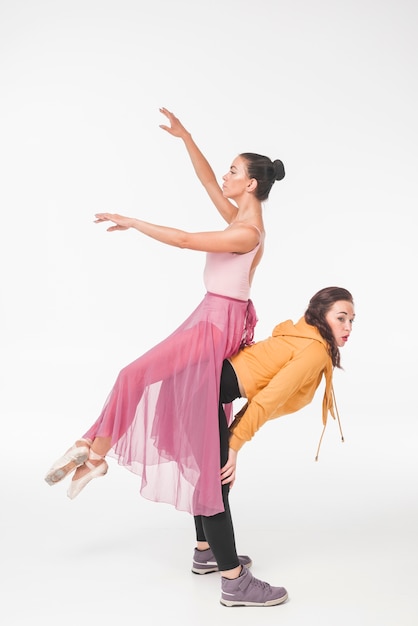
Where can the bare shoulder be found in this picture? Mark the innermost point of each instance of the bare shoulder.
(252, 227)
(252, 236)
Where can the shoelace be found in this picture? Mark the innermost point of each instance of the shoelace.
(262, 584)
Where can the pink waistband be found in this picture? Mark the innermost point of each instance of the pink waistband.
(218, 295)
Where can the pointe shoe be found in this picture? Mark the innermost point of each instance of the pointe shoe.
(73, 458)
(95, 472)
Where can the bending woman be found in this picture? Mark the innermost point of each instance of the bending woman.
(160, 418)
(278, 376)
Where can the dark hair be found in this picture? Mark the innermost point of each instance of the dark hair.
(265, 171)
(319, 306)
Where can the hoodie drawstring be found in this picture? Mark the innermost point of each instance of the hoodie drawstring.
(334, 411)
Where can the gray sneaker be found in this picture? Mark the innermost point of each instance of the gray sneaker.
(249, 591)
(205, 563)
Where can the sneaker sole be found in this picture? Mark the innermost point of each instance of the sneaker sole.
(196, 570)
(268, 603)
(211, 570)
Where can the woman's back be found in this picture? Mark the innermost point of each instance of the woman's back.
(229, 274)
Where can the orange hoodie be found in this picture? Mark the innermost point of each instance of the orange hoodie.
(280, 376)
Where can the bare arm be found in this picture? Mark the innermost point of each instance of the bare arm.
(237, 238)
(204, 172)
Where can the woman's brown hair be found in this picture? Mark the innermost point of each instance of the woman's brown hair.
(319, 306)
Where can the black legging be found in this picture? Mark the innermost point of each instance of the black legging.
(218, 529)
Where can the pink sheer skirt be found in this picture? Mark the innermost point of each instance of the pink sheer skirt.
(162, 412)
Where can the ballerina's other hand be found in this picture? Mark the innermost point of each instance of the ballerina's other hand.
(120, 221)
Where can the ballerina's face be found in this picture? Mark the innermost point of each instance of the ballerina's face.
(340, 318)
(236, 181)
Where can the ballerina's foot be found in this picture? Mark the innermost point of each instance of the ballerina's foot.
(71, 459)
(92, 468)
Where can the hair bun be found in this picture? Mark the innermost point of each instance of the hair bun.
(278, 169)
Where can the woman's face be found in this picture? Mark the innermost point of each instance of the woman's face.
(236, 181)
(340, 318)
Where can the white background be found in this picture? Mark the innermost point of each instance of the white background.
(329, 87)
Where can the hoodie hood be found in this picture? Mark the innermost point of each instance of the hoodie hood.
(300, 329)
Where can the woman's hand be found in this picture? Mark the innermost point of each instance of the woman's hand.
(176, 128)
(120, 222)
(228, 471)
